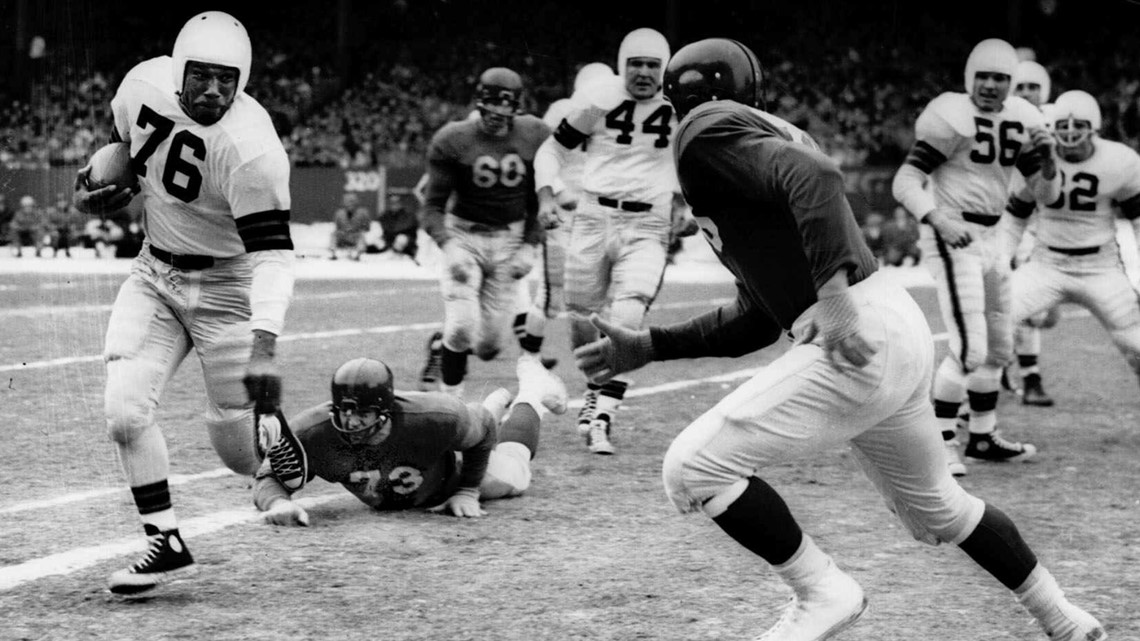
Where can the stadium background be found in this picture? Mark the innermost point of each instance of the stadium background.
(361, 86)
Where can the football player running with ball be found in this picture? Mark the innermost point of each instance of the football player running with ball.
(214, 276)
(956, 180)
(774, 210)
(398, 450)
(622, 224)
(491, 238)
(1076, 257)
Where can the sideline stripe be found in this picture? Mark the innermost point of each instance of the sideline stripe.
(80, 558)
(383, 329)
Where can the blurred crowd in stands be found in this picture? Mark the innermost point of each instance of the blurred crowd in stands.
(371, 87)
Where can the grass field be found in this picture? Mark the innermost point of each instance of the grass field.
(593, 551)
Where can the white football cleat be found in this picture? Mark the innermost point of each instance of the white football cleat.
(820, 611)
(497, 403)
(545, 384)
(1067, 622)
(954, 459)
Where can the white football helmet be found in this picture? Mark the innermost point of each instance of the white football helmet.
(1076, 117)
(215, 38)
(592, 72)
(993, 55)
(1030, 72)
(643, 43)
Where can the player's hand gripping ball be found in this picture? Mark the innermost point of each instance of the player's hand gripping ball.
(107, 183)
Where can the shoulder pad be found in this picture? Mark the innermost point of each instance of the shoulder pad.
(1023, 110)
(557, 110)
(605, 94)
(949, 112)
(155, 71)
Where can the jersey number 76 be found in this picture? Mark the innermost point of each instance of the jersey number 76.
(187, 189)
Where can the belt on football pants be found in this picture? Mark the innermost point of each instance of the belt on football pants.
(182, 261)
(1075, 251)
(624, 205)
(989, 220)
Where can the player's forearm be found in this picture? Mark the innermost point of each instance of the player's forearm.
(731, 330)
(272, 289)
(908, 188)
(475, 461)
(548, 161)
(1045, 189)
(267, 489)
(432, 222)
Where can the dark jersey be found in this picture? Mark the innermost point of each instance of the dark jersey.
(436, 445)
(775, 211)
(492, 178)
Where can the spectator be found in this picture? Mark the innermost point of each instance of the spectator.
(6, 215)
(27, 227)
(900, 238)
(873, 234)
(400, 227)
(63, 221)
(351, 227)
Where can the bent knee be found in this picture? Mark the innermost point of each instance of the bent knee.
(690, 480)
(125, 423)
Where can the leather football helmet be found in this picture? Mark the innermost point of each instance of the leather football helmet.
(498, 97)
(713, 69)
(642, 43)
(993, 55)
(1076, 117)
(215, 38)
(359, 385)
(1031, 73)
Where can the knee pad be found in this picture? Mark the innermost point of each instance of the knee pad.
(688, 482)
(233, 434)
(457, 337)
(487, 351)
(127, 411)
(125, 421)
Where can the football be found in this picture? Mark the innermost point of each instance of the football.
(111, 165)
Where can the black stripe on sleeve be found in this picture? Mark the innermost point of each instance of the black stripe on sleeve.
(1019, 207)
(265, 230)
(568, 136)
(1131, 207)
(925, 157)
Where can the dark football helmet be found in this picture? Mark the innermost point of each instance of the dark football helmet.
(713, 69)
(359, 385)
(498, 97)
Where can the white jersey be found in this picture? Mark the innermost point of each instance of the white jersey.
(574, 160)
(198, 179)
(1092, 190)
(980, 148)
(629, 153)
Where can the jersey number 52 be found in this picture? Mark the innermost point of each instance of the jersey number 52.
(181, 177)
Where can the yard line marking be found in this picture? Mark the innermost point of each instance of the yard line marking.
(174, 479)
(80, 558)
(56, 310)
